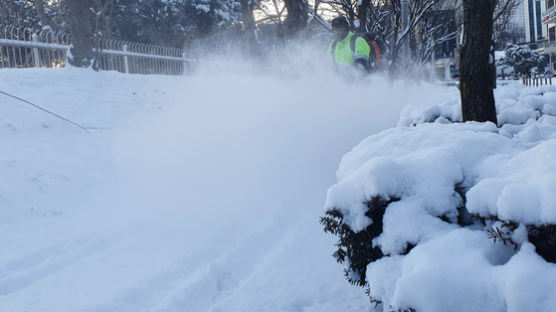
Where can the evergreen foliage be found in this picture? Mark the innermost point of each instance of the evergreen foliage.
(19, 13)
(163, 22)
(523, 59)
(544, 239)
(503, 233)
(356, 250)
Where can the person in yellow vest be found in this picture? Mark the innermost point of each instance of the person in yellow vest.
(345, 49)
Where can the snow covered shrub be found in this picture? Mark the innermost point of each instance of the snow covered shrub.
(523, 59)
(503, 233)
(356, 250)
(453, 216)
(544, 239)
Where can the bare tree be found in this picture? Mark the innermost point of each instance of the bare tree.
(272, 11)
(102, 10)
(436, 28)
(348, 8)
(247, 7)
(39, 8)
(315, 16)
(393, 32)
(476, 82)
(362, 14)
(82, 30)
(505, 10)
(297, 16)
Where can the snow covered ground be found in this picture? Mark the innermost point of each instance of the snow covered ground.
(200, 193)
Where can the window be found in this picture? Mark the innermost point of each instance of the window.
(531, 21)
(538, 19)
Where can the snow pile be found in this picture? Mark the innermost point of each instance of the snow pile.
(520, 188)
(415, 165)
(464, 199)
(515, 105)
(202, 194)
(49, 165)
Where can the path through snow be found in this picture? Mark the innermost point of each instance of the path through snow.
(206, 197)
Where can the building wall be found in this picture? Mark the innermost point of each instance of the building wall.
(517, 22)
(549, 49)
(534, 29)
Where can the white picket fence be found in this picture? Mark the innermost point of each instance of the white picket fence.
(24, 48)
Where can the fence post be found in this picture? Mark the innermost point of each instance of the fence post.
(185, 64)
(36, 54)
(126, 61)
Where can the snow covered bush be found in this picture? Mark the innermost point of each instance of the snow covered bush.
(356, 248)
(523, 59)
(442, 216)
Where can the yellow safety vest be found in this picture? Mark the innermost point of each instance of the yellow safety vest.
(342, 50)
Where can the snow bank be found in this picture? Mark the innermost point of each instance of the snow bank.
(515, 105)
(43, 156)
(521, 188)
(436, 173)
(203, 197)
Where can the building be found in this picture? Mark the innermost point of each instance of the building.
(534, 30)
(516, 25)
(549, 20)
(445, 52)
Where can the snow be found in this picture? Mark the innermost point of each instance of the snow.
(203, 7)
(507, 172)
(420, 164)
(520, 188)
(203, 193)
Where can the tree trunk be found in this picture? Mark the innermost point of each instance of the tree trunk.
(297, 16)
(248, 18)
(103, 17)
(251, 42)
(394, 47)
(82, 28)
(476, 83)
(39, 7)
(363, 15)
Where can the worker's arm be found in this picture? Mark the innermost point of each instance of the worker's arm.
(362, 52)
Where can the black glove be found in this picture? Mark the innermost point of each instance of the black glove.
(362, 63)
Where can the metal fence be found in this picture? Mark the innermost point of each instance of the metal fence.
(24, 48)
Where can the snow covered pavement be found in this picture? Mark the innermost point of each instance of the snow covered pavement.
(203, 194)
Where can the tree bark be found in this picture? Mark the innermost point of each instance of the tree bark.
(248, 18)
(363, 15)
(82, 31)
(476, 82)
(297, 16)
(39, 7)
